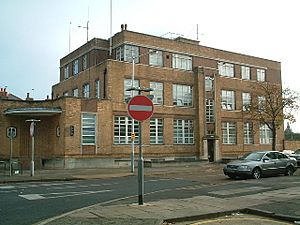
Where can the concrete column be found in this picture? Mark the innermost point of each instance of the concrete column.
(217, 151)
(205, 150)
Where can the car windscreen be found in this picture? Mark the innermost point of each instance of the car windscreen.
(297, 151)
(253, 156)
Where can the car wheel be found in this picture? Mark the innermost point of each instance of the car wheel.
(289, 171)
(256, 173)
(232, 176)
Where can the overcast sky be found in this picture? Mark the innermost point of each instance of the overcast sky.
(35, 33)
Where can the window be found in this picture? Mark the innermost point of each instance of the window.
(265, 134)
(128, 84)
(209, 83)
(182, 62)
(127, 53)
(246, 101)
(158, 90)
(84, 62)
(226, 69)
(86, 90)
(261, 76)
(245, 72)
(183, 132)
(75, 67)
(66, 72)
(123, 128)
(210, 112)
(66, 93)
(229, 133)
(88, 129)
(75, 92)
(248, 133)
(182, 95)
(156, 131)
(155, 58)
(228, 100)
(261, 102)
(97, 88)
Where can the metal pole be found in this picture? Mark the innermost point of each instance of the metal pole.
(32, 156)
(132, 126)
(10, 158)
(141, 168)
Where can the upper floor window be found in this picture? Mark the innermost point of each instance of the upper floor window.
(261, 75)
(66, 93)
(182, 95)
(226, 69)
(182, 62)
(183, 132)
(66, 72)
(84, 62)
(245, 72)
(155, 58)
(209, 82)
(75, 92)
(156, 131)
(86, 90)
(261, 102)
(75, 67)
(128, 84)
(97, 88)
(158, 91)
(210, 111)
(228, 100)
(246, 101)
(127, 53)
(228, 132)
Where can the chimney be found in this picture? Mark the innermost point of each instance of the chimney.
(3, 93)
(125, 26)
(122, 27)
(28, 98)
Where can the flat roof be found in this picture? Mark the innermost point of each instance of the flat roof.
(33, 111)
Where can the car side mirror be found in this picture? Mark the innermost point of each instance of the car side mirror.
(266, 160)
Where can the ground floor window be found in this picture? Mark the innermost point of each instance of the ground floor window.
(156, 131)
(265, 134)
(183, 132)
(123, 129)
(88, 129)
(228, 132)
(248, 133)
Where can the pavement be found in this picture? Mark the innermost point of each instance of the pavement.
(260, 208)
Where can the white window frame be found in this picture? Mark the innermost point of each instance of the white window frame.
(229, 133)
(246, 98)
(66, 72)
(155, 58)
(183, 131)
(183, 62)
(210, 111)
(156, 131)
(261, 102)
(261, 75)
(86, 90)
(265, 134)
(226, 69)
(182, 95)
(158, 92)
(248, 133)
(209, 83)
(75, 92)
(76, 67)
(127, 53)
(97, 88)
(88, 128)
(245, 72)
(123, 129)
(228, 100)
(128, 84)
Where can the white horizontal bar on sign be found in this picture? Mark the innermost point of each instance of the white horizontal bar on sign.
(140, 108)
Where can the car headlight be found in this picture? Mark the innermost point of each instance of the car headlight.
(244, 167)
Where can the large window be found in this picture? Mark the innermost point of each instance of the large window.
(226, 69)
(158, 91)
(248, 133)
(75, 92)
(246, 101)
(86, 91)
(156, 131)
(210, 112)
(155, 58)
(182, 62)
(123, 129)
(88, 129)
(228, 100)
(245, 72)
(261, 75)
(229, 133)
(84, 62)
(75, 67)
(265, 134)
(128, 84)
(182, 95)
(183, 132)
(261, 102)
(209, 81)
(97, 88)
(66, 72)
(127, 53)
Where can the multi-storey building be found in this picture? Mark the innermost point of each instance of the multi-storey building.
(200, 98)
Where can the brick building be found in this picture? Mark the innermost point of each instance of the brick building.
(200, 95)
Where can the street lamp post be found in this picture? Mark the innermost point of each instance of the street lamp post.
(132, 126)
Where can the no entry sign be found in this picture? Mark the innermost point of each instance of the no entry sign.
(140, 108)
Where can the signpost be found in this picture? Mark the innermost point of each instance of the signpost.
(11, 133)
(32, 133)
(140, 108)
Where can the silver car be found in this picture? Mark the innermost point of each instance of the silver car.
(261, 163)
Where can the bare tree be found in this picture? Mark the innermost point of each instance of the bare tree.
(272, 106)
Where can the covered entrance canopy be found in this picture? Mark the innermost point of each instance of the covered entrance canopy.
(33, 111)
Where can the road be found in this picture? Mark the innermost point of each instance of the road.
(28, 203)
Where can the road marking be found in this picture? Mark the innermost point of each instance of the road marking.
(238, 190)
(6, 187)
(59, 194)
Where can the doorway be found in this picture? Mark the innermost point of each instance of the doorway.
(211, 150)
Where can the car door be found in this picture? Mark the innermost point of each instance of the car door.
(282, 163)
(269, 163)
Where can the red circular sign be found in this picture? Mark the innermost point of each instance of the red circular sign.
(140, 108)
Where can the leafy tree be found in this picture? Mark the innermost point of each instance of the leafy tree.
(272, 106)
